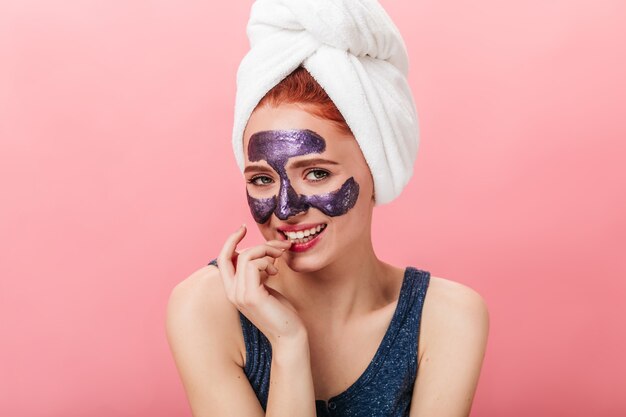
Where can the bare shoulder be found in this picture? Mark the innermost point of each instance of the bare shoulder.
(455, 297)
(198, 285)
(206, 341)
(450, 310)
(199, 301)
(197, 294)
(454, 331)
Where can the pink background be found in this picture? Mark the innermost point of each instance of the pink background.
(118, 181)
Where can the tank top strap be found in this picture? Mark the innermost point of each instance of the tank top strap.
(411, 307)
(410, 301)
(415, 294)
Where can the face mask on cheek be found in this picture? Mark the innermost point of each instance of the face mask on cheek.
(276, 147)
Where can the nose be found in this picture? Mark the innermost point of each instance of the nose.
(289, 202)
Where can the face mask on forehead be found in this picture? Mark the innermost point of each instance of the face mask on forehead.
(276, 147)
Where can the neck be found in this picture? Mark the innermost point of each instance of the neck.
(349, 286)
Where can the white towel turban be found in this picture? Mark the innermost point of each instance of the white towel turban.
(356, 53)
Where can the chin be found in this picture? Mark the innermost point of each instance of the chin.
(303, 263)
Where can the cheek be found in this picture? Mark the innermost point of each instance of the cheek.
(338, 202)
(261, 208)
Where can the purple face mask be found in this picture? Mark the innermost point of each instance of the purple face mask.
(276, 147)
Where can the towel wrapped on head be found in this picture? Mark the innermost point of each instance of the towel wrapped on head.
(356, 53)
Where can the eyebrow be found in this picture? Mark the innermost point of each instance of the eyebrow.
(313, 161)
(257, 168)
(293, 165)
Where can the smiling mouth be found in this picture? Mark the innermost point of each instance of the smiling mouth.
(304, 236)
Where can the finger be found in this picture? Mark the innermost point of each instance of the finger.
(228, 249)
(253, 253)
(236, 255)
(258, 252)
(271, 261)
(251, 288)
(247, 280)
(271, 269)
(267, 267)
(279, 243)
(228, 254)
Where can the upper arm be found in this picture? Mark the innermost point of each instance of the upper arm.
(201, 342)
(457, 327)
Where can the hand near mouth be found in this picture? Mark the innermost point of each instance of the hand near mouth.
(244, 273)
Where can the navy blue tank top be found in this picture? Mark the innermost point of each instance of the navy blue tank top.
(386, 386)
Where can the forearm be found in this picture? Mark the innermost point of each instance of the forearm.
(291, 392)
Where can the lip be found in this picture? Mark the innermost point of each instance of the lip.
(298, 227)
(301, 247)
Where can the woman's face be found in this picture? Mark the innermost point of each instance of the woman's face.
(303, 173)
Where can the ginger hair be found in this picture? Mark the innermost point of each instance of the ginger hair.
(301, 88)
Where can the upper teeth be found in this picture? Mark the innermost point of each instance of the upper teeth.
(303, 233)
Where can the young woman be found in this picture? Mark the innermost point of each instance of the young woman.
(311, 322)
(323, 316)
